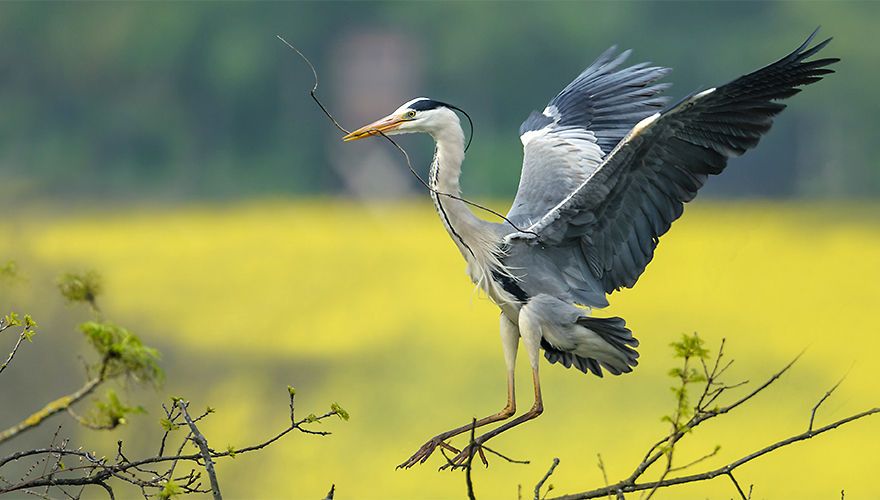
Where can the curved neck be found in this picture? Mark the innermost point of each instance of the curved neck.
(476, 239)
(460, 222)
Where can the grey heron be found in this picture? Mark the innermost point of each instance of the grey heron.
(606, 170)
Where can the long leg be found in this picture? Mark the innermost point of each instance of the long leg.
(509, 341)
(530, 330)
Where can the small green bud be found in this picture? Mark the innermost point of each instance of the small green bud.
(339, 411)
(170, 490)
(168, 425)
(12, 319)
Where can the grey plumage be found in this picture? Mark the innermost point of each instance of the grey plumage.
(618, 215)
(604, 175)
(612, 331)
(603, 233)
(580, 126)
(609, 101)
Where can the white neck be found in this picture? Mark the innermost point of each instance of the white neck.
(444, 180)
(474, 237)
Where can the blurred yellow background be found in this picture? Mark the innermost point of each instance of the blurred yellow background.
(173, 148)
(368, 305)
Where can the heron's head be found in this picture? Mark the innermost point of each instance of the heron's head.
(418, 115)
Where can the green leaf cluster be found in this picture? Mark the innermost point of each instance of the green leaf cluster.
(30, 328)
(688, 348)
(170, 490)
(83, 287)
(112, 412)
(9, 271)
(13, 319)
(168, 425)
(339, 411)
(123, 352)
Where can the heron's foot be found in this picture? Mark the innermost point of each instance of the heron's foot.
(423, 453)
(461, 460)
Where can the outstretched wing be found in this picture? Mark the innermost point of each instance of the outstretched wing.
(565, 143)
(617, 214)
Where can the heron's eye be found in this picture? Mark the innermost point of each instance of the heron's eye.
(410, 114)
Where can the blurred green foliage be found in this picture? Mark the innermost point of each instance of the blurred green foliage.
(123, 352)
(111, 412)
(83, 287)
(8, 271)
(179, 100)
(688, 349)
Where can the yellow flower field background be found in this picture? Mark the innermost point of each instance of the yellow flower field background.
(368, 305)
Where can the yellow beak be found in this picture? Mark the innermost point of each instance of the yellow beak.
(390, 122)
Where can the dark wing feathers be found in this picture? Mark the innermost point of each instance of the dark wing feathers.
(608, 100)
(641, 187)
(568, 140)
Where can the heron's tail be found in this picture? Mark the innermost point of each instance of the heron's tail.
(601, 343)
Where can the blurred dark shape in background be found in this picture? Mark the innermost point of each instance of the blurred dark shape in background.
(182, 101)
(371, 71)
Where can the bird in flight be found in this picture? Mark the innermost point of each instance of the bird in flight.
(606, 170)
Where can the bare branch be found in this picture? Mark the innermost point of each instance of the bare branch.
(95, 471)
(739, 490)
(505, 457)
(699, 417)
(695, 462)
(467, 471)
(703, 412)
(761, 387)
(822, 400)
(107, 488)
(601, 466)
(545, 478)
(202, 443)
(21, 338)
(53, 407)
(627, 486)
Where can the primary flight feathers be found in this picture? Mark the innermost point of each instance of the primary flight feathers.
(618, 210)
